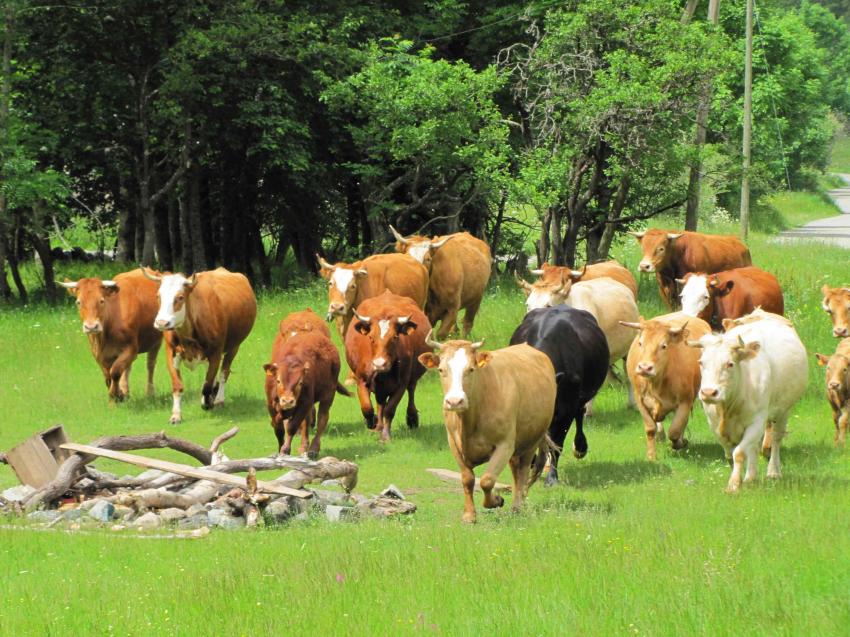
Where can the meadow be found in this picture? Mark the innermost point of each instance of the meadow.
(623, 546)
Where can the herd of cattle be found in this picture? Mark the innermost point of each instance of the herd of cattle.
(729, 345)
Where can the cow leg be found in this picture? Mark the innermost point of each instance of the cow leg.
(119, 389)
(631, 390)
(519, 469)
(321, 425)
(498, 459)
(469, 317)
(277, 426)
(152, 354)
(124, 382)
(650, 429)
(678, 425)
(579, 440)
(209, 381)
(306, 424)
(774, 471)
(746, 449)
(412, 413)
(388, 412)
(449, 322)
(558, 434)
(467, 479)
(365, 398)
(288, 430)
(841, 428)
(172, 364)
(767, 442)
(223, 375)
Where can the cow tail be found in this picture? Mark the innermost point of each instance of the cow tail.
(544, 449)
(340, 389)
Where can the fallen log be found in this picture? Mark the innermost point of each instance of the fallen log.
(328, 468)
(201, 493)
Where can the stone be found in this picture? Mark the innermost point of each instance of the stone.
(393, 491)
(19, 493)
(102, 511)
(336, 513)
(195, 509)
(84, 483)
(123, 512)
(86, 505)
(73, 514)
(149, 520)
(172, 514)
(223, 519)
(47, 515)
(384, 507)
(279, 511)
(197, 521)
(332, 483)
(331, 497)
(117, 527)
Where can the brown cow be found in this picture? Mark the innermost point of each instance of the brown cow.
(117, 317)
(349, 284)
(838, 387)
(381, 347)
(553, 274)
(459, 267)
(671, 255)
(206, 316)
(497, 407)
(665, 374)
(304, 371)
(300, 322)
(836, 303)
(730, 294)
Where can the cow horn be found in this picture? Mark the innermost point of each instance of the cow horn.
(695, 344)
(680, 281)
(577, 274)
(323, 263)
(536, 272)
(109, 284)
(674, 235)
(639, 235)
(362, 319)
(635, 326)
(69, 285)
(440, 243)
(398, 236)
(477, 344)
(741, 342)
(401, 320)
(152, 277)
(362, 271)
(522, 282)
(430, 342)
(192, 280)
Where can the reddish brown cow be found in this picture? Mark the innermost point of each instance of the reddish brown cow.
(304, 371)
(382, 347)
(459, 269)
(836, 303)
(303, 321)
(671, 255)
(349, 284)
(554, 274)
(730, 294)
(117, 317)
(206, 317)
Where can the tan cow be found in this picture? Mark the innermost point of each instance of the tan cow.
(459, 267)
(300, 322)
(117, 317)
(497, 407)
(836, 303)
(553, 274)
(349, 284)
(838, 387)
(665, 374)
(205, 317)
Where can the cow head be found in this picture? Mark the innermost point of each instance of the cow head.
(420, 248)
(551, 289)
(173, 293)
(699, 291)
(657, 245)
(836, 303)
(384, 332)
(343, 280)
(720, 365)
(837, 368)
(457, 362)
(288, 381)
(93, 301)
(654, 342)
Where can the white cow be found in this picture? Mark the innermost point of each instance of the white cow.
(751, 377)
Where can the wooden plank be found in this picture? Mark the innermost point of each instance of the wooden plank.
(36, 460)
(453, 476)
(199, 473)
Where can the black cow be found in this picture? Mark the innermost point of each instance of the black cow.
(578, 350)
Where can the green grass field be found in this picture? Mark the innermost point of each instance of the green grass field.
(623, 547)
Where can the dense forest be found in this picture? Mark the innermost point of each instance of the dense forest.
(250, 133)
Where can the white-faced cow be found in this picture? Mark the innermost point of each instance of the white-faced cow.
(205, 317)
(751, 377)
(459, 268)
(117, 317)
(497, 407)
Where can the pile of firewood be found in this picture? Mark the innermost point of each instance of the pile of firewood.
(190, 497)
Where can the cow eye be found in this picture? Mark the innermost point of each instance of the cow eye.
(78, 303)
(661, 249)
(102, 301)
(730, 364)
(663, 345)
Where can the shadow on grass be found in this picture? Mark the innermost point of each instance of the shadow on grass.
(565, 505)
(598, 474)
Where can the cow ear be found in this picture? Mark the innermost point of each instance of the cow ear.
(71, 286)
(724, 288)
(749, 350)
(307, 366)
(362, 328)
(109, 290)
(728, 324)
(822, 360)
(429, 360)
(271, 369)
(407, 328)
(825, 290)
(482, 359)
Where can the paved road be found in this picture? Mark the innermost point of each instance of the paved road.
(834, 230)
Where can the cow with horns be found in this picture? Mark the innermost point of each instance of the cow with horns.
(205, 317)
(560, 275)
(459, 270)
(381, 346)
(117, 317)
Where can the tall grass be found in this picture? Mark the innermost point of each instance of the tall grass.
(623, 547)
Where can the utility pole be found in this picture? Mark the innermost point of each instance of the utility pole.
(748, 124)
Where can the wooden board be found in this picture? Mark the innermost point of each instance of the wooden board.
(199, 473)
(36, 460)
(453, 476)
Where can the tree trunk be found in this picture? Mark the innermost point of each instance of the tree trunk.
(163, 236)
(39, 236)
(543, 243)
(259, 251)
(126, 249)
(196, 231)
(555, 237)
(174, 238)
(5, 290)
(5, 92)
(567, 254)
(496, 235)
(185, 232)
(14, 251)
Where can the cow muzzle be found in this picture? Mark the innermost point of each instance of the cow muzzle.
(834, 384)
(380, 364)
(92, 328)
(336, 309)
(455, 403)
(162, 325)
(839, 332)
(645, 369)
(709, 394)
(646, 266)
(285, 403)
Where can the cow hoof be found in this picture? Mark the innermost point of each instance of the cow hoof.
(218, 403)
(551, 481)
(206, 406)
(732, 489)
(497, 502)
(579, 453)
(678, 445)
(469, 518)
(765, 452)
(370, 420)
(413, 420)
(175, 419)
(774, 475)
(312, 455)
